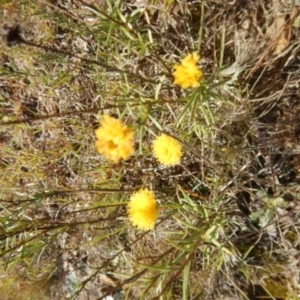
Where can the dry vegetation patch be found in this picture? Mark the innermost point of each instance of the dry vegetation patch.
(228, 225)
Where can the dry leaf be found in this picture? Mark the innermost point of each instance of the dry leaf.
(279, 33)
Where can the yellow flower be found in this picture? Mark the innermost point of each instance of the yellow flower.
(143, 210)
(167, 150)
(187, 74)
(115, 140)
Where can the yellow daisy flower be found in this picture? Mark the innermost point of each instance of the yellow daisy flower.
(143, 210)
(187, 74)
(167, 150)
(115, 140)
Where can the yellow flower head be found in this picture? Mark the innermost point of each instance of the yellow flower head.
(167, 150)
(187, 74)
(143, 210)
(115, 140)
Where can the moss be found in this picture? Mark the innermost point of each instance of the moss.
(276, 288)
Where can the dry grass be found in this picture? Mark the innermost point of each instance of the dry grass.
(229, 213)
